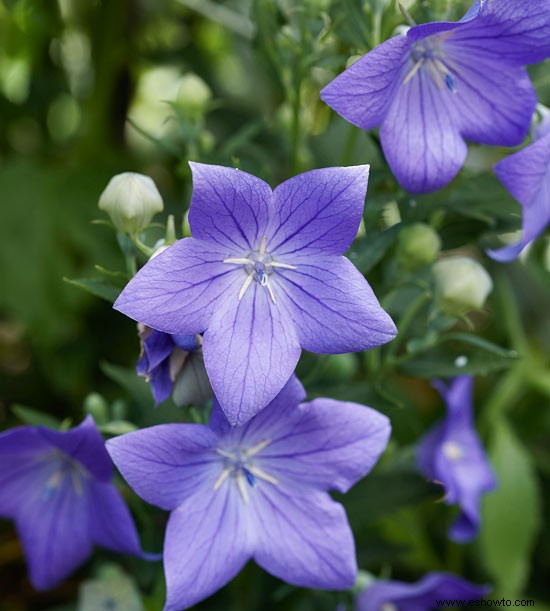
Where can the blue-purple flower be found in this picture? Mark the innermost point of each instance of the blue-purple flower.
(257, 491)
(423, 595)
(262, 277)
(444, 83)
(56, 485)
(173, 365)
(451, 454)
(526, 174)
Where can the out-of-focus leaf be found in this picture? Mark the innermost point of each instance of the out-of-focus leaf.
(136, 387)
(118, 427)
(368, 251)
(99, 288)
(31, 416)
(511, 515)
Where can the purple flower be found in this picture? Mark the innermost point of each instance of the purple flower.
(451, 454)
(56, 486)
(173, 365)
(263, 277)
(444, 83)
(257, 491)
(420, 596)
(526, 174)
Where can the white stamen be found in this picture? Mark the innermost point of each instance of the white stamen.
(246, 284)
(263, 475)
(263, 246)
(239, 261)
(282, 265)
(413, 71)
(453, 450)
(223, 476)
(226, 454)
(241, 485)
(257, 448)
(271, 294)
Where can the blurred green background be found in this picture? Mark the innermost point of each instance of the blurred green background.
(91, 88)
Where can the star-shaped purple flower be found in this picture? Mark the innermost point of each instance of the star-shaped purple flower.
(526, 174)
(257, 491)
(173, 365)
(56, 486)
(444, 83)
(263, 277)
(423, 595)
(451, 454)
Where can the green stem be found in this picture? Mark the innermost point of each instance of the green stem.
(504, 396)
(350, 145)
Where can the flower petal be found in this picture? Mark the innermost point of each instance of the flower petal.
(229, 207)
(166, 463)
(512, 32)
(419, 137)
(333, 307)
(24, 456)
(85, 444)
(111, 524)
(177, 291)
(250, 351)
(526, 174)
(318, 211)
(363, 93)
(325, 444)
(304, 540)
(55, 533)
(207, 543)
(494, 102)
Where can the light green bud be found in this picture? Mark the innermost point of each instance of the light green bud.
(193, 95)
(417, 245)
(131, 200)
(96, 406)
(461, 284)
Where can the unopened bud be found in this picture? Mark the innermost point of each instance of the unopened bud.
(417, 245)
(461, 284)
(131, 200)
(96, 406)
(193, 95)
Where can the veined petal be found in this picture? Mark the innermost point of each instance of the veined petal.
(333, 307)
(516, 33)
(26, 467)
(424, 30)
(304, 540)
(363, 93)
(207, 543)
(326, 444)
(165, 464)
(318, 211)
(84, 444)
(250, 351)
(494, 102)
(177, 291)
(111, 524)
(54, 530)
(229, 207)
(526, 174)
(419, 136)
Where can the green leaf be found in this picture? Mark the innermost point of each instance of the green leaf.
(511, 515)
(99, 288)
(367, 252)
(118, 427)
(136, 387)
(31, 416)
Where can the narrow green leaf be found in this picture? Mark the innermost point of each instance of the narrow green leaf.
(367, 252)
(99, 288)
(511, 516)
(118, 427)
(31, 416)
(136, 387)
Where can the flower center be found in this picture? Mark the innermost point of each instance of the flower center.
(429, 54)
(239, 466)
(453, 450)
(387, 606)
(258, 265)
(66, 468)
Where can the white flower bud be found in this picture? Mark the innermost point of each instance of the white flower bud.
(193, 95)
(131, 200)
(461, 284)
